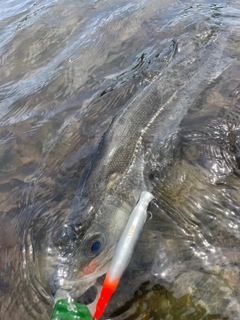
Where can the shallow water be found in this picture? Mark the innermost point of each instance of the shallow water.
(67, 69)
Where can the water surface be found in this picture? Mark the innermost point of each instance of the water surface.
(67, 69)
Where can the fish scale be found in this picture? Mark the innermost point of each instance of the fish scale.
(119, 145)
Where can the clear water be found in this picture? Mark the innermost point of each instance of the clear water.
(68, 68)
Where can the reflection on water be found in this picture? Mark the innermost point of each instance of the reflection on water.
(162, 304)
(67, 69)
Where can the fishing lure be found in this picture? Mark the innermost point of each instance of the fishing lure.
(123, 251)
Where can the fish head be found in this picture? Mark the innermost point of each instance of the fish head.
(87, 242)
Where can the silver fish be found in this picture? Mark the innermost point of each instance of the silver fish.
(115, 176)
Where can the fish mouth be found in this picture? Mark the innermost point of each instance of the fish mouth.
(86, 294)
(86, 290)
(84, 286)
(90, 294)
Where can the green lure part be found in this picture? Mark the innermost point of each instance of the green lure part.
(66, 309)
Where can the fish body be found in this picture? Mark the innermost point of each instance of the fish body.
(116, 174)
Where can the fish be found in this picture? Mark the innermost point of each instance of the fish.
(116, 174)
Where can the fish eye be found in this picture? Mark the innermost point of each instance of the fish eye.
(95, 245)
